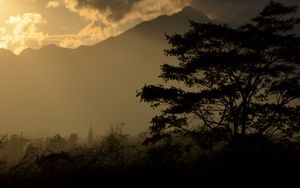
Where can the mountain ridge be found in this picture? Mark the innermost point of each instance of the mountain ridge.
(64, 90)
(187, 11)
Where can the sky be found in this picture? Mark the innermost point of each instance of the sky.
(73, 23)
(63, 92)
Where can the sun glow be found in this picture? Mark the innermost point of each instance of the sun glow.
(66, 23)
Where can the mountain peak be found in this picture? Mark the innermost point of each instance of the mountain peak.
(188, 9)
(190, 12)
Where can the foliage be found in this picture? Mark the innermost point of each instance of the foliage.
(120, 159)
(237, 81)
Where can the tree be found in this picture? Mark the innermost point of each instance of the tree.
(236, 81)
(56, 144)
(73, 141)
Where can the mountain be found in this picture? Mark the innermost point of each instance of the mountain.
(59, 90)
(6, 54)
(178, 23)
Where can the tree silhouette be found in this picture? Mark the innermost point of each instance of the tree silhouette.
(231, 81)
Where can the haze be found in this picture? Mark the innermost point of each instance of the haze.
(67, 65)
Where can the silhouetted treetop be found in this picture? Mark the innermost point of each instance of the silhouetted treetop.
(238, 81)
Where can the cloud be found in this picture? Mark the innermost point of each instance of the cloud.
(53, 4)
(120, 9)
(21, 31)
(117, 8)
(107, 18)
(90, 34)
(237, 11)
(100, 19)
(92, 21)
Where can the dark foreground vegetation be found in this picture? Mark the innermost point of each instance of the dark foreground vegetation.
(120, 160)
(233, 119)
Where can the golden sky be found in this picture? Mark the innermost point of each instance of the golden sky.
(72, 23)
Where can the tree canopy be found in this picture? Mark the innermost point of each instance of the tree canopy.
(236, 81)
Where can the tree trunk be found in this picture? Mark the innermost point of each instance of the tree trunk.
(244, 117)
(235, 129)
(244, 129)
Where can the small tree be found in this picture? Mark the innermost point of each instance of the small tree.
(237, 81)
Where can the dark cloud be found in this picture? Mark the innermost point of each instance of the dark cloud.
(118, 8)
(234, 10)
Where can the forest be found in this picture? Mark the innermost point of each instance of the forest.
(229, 116)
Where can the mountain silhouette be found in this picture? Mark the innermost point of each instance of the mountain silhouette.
(55, 89)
